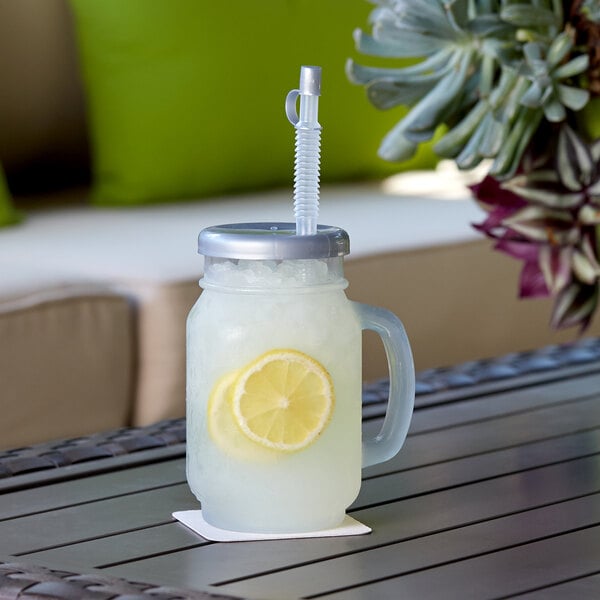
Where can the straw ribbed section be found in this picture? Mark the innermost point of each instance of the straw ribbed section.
(306, 180)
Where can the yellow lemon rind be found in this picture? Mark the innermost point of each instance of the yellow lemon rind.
(290, 356)
(223, 429)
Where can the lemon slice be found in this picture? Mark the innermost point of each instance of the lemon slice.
(283, 400)
(223, 429)
(221, 426)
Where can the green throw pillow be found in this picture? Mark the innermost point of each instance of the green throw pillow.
(8, 214)
(186, 97)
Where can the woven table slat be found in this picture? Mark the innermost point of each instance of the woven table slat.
(22, 581)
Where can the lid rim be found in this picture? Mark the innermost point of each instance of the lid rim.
(271, 241)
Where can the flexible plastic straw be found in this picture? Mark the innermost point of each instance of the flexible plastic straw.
(308, 149)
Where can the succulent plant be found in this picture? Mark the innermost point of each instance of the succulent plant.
(509, 81)
(490, 72)
(548, 217)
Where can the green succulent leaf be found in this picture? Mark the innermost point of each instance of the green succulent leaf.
(410, 44)
(433, 66)
(451, 143)
(426, 114)
(423, 16)
(470, 156)
(532, 98)
(533, 55)
(574, 67)
(386, 94)
(412, 40)
(458, 12)
(507, 160)
(493, 137)
(554, 111)
(573, 98)
(511, 107)
(395, 146)
(524, 15)
(487, 75)
(559, 49)
(490, 24)
(503, 51)
(419, 135)
(507, 81)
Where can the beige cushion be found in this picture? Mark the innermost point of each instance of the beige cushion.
(162, 312)
(66, 356)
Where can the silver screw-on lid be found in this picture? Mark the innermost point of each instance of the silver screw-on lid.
(271, 241)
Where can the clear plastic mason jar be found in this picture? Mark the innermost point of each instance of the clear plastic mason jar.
(274, 381)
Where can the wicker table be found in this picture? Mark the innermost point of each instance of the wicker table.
(496, 494)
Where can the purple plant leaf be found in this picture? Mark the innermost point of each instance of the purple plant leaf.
(489, 191)
(494, 221)
(532, 283)
(518, 248)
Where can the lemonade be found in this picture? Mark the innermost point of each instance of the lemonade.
(274, 395)
(274, 384)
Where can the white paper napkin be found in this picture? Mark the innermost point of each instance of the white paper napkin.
(195, 521)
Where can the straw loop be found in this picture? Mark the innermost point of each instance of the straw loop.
(290, 106)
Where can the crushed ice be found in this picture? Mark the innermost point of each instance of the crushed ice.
(267, 273)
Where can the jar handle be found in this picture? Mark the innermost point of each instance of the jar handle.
(390, 439)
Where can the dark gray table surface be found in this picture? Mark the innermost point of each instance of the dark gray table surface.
(496, 494)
